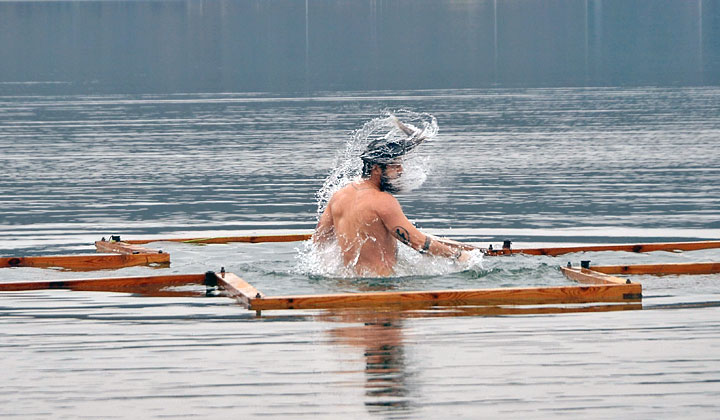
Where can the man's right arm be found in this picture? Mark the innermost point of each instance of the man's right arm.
(325, 229)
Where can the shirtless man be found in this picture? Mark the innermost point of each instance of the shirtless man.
(367, 220)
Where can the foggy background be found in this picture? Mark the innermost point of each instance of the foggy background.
(303, 46)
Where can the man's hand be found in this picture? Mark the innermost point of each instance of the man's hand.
(464, 256)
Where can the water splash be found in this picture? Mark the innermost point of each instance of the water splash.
(348, 165)
(393, 126)
(326, 261)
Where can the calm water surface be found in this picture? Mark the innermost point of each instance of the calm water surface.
(539, 166)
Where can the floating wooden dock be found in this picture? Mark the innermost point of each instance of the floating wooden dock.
(599, 284)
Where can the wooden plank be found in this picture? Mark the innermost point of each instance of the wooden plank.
(227, 239)
(238, 288)
(85, 262)
(661, 269)
(123, 248)
(117, 284)
(504, 296)
(647, 247)
(583, 275)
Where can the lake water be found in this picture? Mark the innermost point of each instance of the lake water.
(553, 166)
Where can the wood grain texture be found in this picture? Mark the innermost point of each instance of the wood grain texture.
(119, 284)
(123, 248)
(505, 296)
(583, 275)
(238, 288)
(661, 269)
(85, 262)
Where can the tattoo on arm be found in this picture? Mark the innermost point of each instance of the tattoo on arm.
(426, 246)
(402, 234)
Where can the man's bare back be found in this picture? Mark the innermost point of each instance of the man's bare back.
(368, 222)
(365, 242)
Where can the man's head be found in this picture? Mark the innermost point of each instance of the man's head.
(387, 153)
(388, 175)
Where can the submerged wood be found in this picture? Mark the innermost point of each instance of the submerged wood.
(354, 315)
(85, 262)
(485, 297)
(661, 269)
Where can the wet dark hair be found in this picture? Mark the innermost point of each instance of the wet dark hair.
(383, 152)
(368, 167)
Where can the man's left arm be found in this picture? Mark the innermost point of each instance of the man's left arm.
(401, 228)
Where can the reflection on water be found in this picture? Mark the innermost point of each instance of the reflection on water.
(380, 338)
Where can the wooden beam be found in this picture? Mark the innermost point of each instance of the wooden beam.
(85, 262)
(118, 284)
(238, 288)
(123, 248)
(227, 239)
(583, 275)
(648, 247)
(661, 269)
(504, 296)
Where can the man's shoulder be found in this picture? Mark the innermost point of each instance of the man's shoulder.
(385, 202)
(376, 198)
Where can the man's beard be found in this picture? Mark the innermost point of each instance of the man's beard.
(403, 183)
(389, 185)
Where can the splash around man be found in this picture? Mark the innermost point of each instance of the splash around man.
(367, 221)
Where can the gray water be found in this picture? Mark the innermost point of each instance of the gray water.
(213, 118)
(551, 166)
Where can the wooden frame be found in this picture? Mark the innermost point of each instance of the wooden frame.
(554, 251)
(599, 283)
(249, 297)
